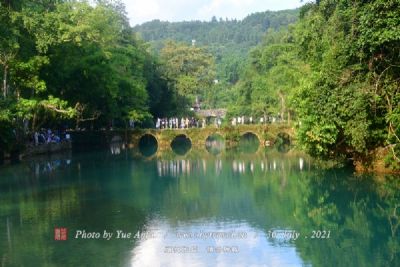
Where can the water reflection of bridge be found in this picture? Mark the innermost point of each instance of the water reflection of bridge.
(185, 167)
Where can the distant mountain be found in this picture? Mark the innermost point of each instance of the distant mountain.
(248, 31)
(228, 40)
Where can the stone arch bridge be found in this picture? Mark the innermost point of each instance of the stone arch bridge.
(266, 134)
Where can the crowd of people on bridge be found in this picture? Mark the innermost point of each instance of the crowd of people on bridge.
(183, 123)
(250, 120)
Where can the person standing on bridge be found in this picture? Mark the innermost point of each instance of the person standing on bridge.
(182, 123)
(158, 123)
(187, 122)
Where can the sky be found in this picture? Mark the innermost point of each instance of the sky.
(140, 11)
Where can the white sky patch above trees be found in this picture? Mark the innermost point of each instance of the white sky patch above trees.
(140, 11)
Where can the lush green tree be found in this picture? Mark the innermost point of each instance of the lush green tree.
(349, 105)
(21, 64)
(73, 62)
(104, 59)
(189, 69)
(272, 73)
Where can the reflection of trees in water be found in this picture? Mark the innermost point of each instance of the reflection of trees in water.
(221, 185)
(359, 212)
(280, 193)
(31, 208)
(49, 166)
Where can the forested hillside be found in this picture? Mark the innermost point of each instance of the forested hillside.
(247, 32)
(228, 40)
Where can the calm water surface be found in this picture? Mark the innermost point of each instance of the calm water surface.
(199, 209)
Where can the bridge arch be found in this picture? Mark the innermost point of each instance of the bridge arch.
(258, 135)
(215, 143)
(249, 143)
(147, 133)
(148, 144)
(181, 144)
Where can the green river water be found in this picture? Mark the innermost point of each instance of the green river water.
(235, 208)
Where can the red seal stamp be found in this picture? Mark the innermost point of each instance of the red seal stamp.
(60, 234)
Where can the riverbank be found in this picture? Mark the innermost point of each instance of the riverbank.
(49, 148)
(375, 162)
(30, 150)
